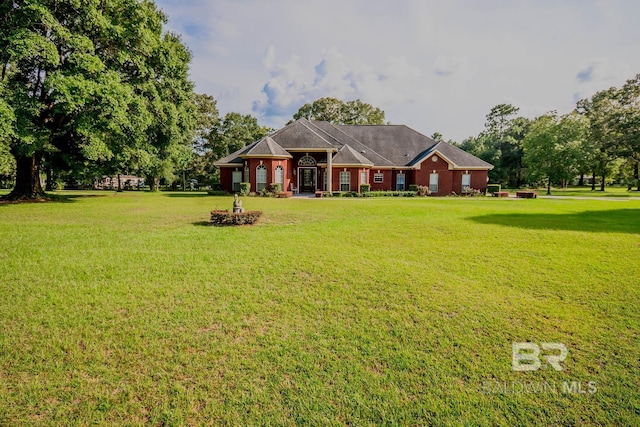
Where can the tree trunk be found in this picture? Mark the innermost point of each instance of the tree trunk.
(28, 184)
(549, 187)
(593, 181)
(49, 181)
(636, 175)
(581, 180)
(154, 183)
(602, 183)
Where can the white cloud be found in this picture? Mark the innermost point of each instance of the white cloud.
(434, 65)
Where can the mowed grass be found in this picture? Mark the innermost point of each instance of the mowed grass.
(126, 309)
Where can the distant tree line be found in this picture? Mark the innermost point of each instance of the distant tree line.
(599, 140)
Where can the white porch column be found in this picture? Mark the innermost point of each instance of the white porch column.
(329, 171)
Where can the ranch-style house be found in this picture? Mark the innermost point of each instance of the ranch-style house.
(308, 156)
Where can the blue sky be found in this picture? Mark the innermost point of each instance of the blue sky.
(437, 66)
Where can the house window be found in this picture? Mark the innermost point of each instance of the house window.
(400, 182)
(236, 177)
(378, 177)
(345, 181)
(363, 177)
(466, 182)
(261, 178)
(433, 182)
(280, 176)
(307, 161)
(246, 174)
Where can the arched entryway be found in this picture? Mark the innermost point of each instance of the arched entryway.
(307, 175)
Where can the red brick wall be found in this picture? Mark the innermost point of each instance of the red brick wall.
(387, 181)
(354, 181)
(445, 176)
(479, 180)
(226, 178)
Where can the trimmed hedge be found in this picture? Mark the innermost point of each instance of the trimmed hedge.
(245, 188)
(224, 217)
(492, 188)
(365, 188)
(276, 187)
(390, 194)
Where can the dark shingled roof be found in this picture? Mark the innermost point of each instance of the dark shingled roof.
(301, 134)
(266, 147)
(457, 156)
(348, 156)
(235, 157)
(342, 138)
(398, 143)
(376, 145)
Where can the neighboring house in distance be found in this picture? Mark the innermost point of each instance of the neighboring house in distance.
(306, 156)
(111, 182)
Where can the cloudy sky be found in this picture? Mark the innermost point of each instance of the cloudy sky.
(434, 65)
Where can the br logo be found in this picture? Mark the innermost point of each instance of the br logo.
(526, 355)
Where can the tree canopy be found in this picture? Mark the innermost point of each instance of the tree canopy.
(339, 112)
(553, 146)
(96, 81)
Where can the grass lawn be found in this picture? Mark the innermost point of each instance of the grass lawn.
(125, 309)
(609, 191)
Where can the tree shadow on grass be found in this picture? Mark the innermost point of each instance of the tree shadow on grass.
(52, 198)
(202, 223)
(185, 195)
(609, 221)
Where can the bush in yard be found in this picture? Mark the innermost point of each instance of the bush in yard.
(421, 190)
(472, 192)
(276, 187)
(413, 187)
(365, 188)
(492, 188)
(224, 217)
(245, 188)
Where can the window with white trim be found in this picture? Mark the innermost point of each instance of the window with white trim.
(307, 161)
(261, 177)
(345, 181)
(400, 182)
(280, 175)
(363, 177)
(466, 182)
(378, 178)
(236, 177)
(247, 178)
(433, 182)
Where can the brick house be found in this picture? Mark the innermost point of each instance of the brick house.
(307, 156)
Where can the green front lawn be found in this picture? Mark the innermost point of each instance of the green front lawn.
(573, 191)
(125, 308)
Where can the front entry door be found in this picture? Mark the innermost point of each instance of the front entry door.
(307, 177)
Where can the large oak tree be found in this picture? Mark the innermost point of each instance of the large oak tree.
(95, 80)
